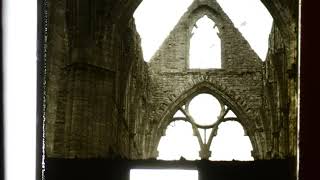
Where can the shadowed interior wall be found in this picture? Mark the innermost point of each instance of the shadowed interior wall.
(103, 100)
(88, 74)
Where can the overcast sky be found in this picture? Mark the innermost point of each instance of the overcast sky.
(156, 18)
(205, 45)
(230, 142)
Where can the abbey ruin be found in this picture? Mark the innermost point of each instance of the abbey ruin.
(103, 101)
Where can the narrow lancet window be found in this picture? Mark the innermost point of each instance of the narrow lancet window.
(205, 45)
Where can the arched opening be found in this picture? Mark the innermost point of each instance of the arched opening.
(250, 17)
(209, 129)
(231, 143)
(205, 45)
(205, 109)
(177, 142)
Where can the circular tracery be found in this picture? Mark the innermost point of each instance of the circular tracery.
(204, 114)
(205, 109)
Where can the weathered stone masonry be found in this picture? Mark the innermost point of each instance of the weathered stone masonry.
(240, 77)
(86, 83)
(103, 100)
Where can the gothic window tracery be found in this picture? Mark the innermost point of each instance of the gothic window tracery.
(205, 132)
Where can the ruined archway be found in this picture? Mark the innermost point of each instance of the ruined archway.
(245, 120)
(121, 22)
(283, 19)
(206, 114)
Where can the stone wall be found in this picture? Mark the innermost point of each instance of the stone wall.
(241, 89)
(264, 92)
(239, 81)
(173, 55)
(280, 89)
(57, 49)
(134, 93)
(103, 100)
(89, 76)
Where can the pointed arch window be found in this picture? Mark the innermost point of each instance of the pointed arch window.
(231, 136)
(205, 128)
(205, 45)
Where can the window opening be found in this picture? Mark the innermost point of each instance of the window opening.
(177, 142)
(205, 128)
(179, 114)
(230, 114)
(204, 109)
(231, 143)
(250, 17)
(205, 45)
(205, 134)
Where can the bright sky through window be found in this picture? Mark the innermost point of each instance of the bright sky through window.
(156, 18)
(205, 48)
(178, 142)
(231, 143)
(205, 109)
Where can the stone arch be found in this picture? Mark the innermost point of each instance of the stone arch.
(223, 95)
(206, 79)
(196, 15)
(278, 10)
(201, 11)
(284, 14)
